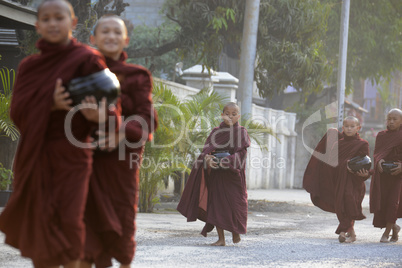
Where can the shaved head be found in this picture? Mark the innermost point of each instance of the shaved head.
(109, 17)
(396, 111)
(67, 4)
(351, 118)
(231, 104)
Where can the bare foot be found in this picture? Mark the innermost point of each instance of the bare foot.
(395, 232)
(384, 239)
(219, 243)
(342, 237)
(236, 238)
(350, 239)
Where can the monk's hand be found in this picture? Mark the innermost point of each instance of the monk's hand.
(363, 173)
(347, 166)
(210, 161)
(224, 163)
(108, 141)
(92, 111)
(61, 100)
(397, 170)
(379, 165)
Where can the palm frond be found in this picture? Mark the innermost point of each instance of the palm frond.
(7, 127)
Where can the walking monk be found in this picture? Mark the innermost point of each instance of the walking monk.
(113, 192)
(332, 185)
(217, 195)
(44, 216)
(385, 188)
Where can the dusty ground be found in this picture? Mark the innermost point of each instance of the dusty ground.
(279, 235)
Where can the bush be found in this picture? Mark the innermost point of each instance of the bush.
(6, 176)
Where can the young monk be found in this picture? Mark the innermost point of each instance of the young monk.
(44, 216)
(339, 189)
(385, 189)
(113, 192)
(218, 195)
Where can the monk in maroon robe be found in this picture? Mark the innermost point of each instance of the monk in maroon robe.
(386, 188)
(44, 216)
(217, 195)
(113, 192)
(338, 189)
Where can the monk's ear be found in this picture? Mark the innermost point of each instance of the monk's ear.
(127, 41)
(37, 28)
(92, 40)
(74, 22)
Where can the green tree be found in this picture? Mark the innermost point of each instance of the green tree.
(162, 66)
(289, 48)
(374, 42)
(374, 46)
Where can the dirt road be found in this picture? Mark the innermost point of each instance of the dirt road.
(279, 235)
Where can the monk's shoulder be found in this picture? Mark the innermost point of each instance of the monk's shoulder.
(244, 130)
(134, 70)
(85, 51)
(30, 61)
(214, 129)
(363, 142)
(381, 133)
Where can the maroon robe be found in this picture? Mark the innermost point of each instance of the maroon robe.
(385, 189)
(44, 216)
(318, 177)
(219, 197)
(349, 188)
(332, 187)
(113, 192)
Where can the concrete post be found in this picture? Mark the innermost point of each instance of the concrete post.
(248, 54)
(343, 51)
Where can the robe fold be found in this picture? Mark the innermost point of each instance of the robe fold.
(219, 196)
(385, 189)
(318, 177)
(113, 193)
(332, 187)
(44, 216)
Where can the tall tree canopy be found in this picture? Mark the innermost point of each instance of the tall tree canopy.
(289, 48)
(298, 41)
(375, 38)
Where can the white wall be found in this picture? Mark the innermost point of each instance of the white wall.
(144, 12)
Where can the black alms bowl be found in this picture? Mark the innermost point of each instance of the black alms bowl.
(220, 155)
(359, 162)
(387, 166)
(100, 84)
